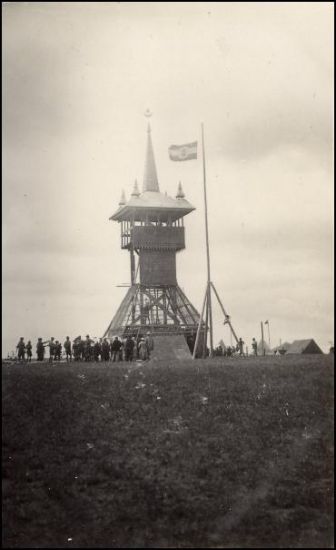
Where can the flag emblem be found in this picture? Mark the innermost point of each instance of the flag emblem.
(183, 152)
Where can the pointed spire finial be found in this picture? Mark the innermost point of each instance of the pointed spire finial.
(150, 181)
(135, 192)
(180, 194)
(148, 114)
(122, 199)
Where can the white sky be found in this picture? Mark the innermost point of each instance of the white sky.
(77, 78)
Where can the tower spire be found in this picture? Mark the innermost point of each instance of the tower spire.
(150, 181)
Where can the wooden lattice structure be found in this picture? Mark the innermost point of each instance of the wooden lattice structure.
(152, 231)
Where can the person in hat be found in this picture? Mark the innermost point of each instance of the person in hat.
(21, 347)
(67, 349)
(121, 349)
(29, 351)
(149, 343)
(76, 350)
(129, 347)
(81, 348)
(87, 348)
(241, 346)
(97, 350)
(254, 346)
(51, 345)
(58, 350)
(105, 350)
(40, 350)
(115, 349)
(143, 354)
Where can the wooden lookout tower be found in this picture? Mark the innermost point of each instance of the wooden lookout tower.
(152, 231)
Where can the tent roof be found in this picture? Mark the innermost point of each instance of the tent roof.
(304, 346)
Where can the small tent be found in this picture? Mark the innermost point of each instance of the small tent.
(282, 349)
(304, 346)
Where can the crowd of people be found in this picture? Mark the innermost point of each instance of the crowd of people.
(117, 349)
(230, 351)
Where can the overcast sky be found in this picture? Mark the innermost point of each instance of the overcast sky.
(77, 78)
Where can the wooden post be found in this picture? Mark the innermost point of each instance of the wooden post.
(262, 338)
(205, 339)
(132, 265)
(269, 334)
(200, 324)
(209, 310)
(227, 318)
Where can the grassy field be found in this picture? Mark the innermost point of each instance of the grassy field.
(216, 453)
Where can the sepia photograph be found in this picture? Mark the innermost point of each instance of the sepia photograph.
(168, 275)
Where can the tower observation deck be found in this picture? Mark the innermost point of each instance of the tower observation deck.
(153, 232)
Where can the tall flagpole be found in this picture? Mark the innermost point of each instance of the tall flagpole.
(207, 296)
(209, 309)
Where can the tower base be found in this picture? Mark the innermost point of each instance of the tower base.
(160, 310)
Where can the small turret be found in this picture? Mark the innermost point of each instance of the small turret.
(122, 201)
(135, 192)
(180, 194)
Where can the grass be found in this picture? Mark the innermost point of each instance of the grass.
(216, 453)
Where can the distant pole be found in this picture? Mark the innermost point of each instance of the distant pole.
(205, 339)
(209, 309)
(262, 338)
(199, 326)
(269, 334)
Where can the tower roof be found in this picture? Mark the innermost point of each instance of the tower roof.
(151, 202)
(150, 181)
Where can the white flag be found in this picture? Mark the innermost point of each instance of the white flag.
(183, 152)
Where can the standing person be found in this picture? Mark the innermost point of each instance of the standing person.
(40, 350)
(51, 345)
(135, 348)
(121, 349)
(29, 351)
(75, 350)
(129, 347)
(80, 348)
(149, 343)
(241, 346)
(67, 349)
(105, 347)
(21, 347)
(87, 348)
(58, 350)
(137, 343)
(143, 350)
(97, 350)
(115, 348)
(254, 346)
